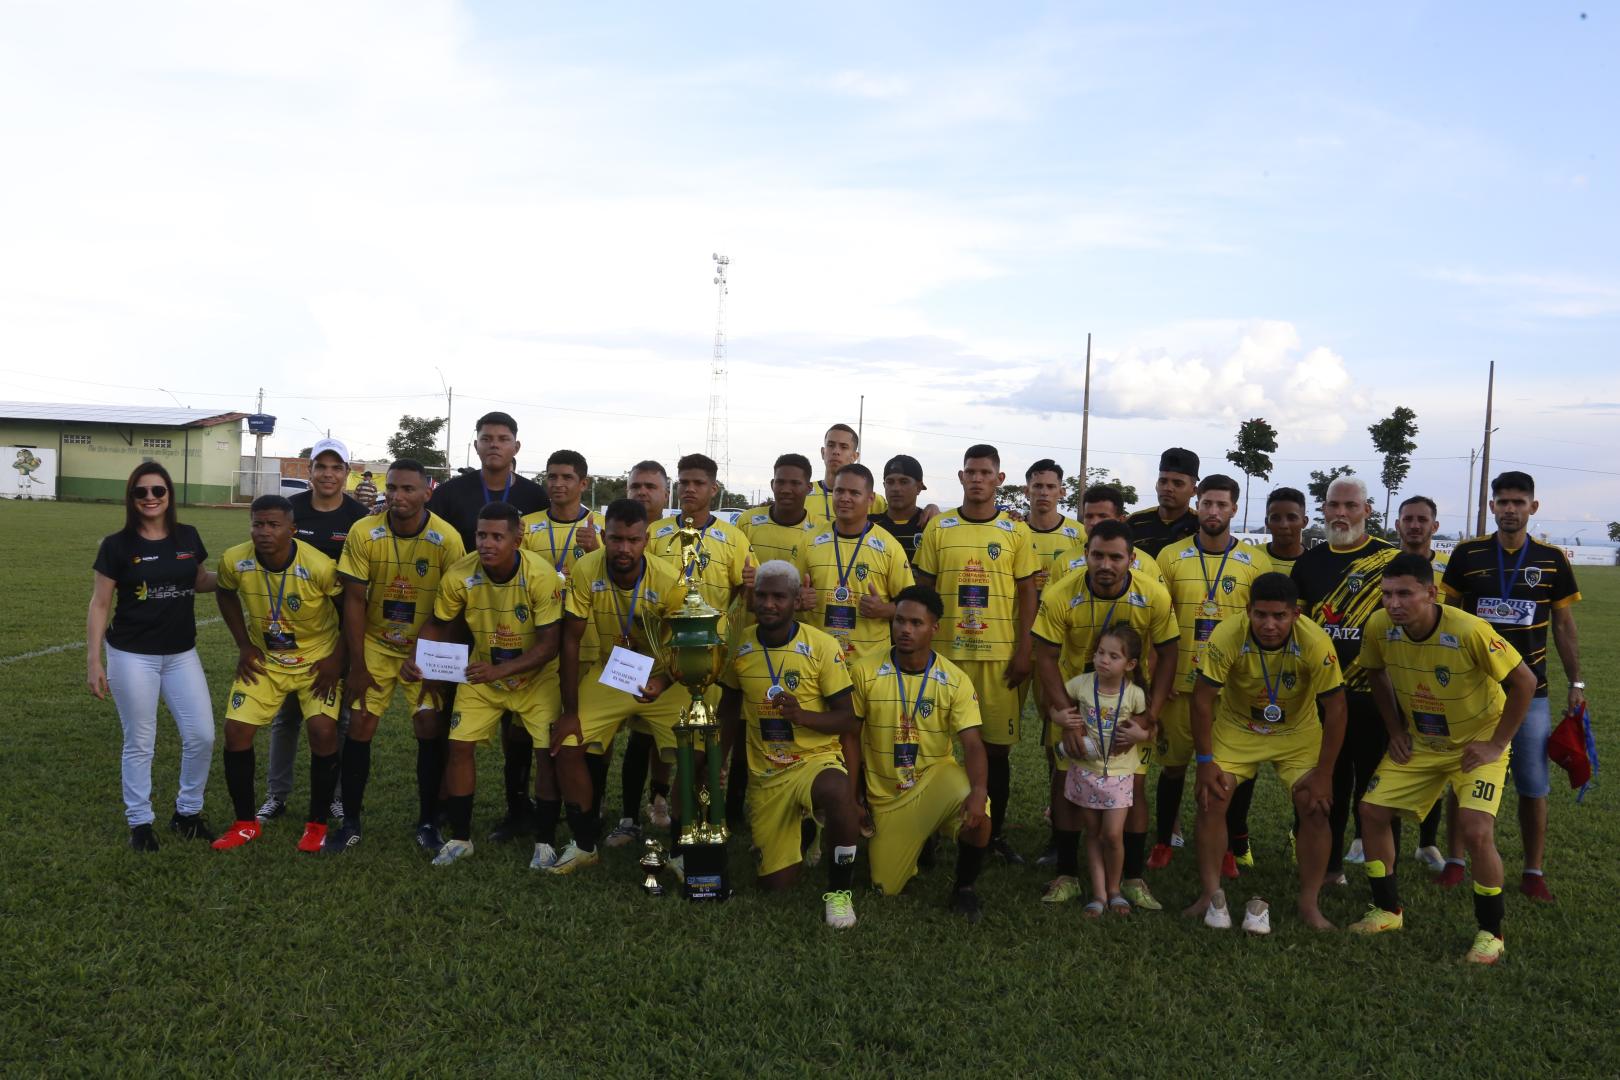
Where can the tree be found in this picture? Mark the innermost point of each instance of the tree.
(1614, 531)
(418, 438)
(304, 453)
(1095, 475)
(1256, 440)
(1012, 496)
(1321, 481)
(1393, 437)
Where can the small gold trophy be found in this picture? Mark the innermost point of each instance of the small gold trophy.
(695, 657)
(652, 862)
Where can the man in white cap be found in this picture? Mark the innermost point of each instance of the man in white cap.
(321, 518)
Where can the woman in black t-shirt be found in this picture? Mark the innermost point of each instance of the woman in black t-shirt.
(146, 577)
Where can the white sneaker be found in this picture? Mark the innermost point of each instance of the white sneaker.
(658, 812)
(1216, 917)
(1430, 857)
(1355, 854)
(573, 858)
(545, 857)
(625, 832)
(453, 850)
(840, 907)
(1257, 917)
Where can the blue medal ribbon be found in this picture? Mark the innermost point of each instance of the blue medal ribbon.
(627, 622)
(844, 572)
(1504, 577)
(900, 681)
(568, 541)
(488, 498)
(1271, 691)
(1212, 585)
(275, 605)
(1096, 703)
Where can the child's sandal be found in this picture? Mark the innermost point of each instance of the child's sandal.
(1093, 910)
(1119, 905)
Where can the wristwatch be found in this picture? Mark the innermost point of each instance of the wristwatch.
(1578, 684)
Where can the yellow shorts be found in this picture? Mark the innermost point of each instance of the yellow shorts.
(1241, 753)
(1000, 706)
(479, 708)
(1414, 787)
(933, 806)
(1175, 745)
(603, 710)
(258, 704)
(384, 667)
(777, 806)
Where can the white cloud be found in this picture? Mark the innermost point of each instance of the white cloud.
(865, 84)
(1558, 296)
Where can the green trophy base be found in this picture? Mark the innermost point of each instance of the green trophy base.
(707, 876)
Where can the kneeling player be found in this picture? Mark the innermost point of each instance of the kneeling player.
(1269, 690)
(787, 683)
(510, 601)
(288, 646)
(912, 704)
(1444, 669)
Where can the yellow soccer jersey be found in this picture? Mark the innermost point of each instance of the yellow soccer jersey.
(773, 541)
(1102, 715)
(1072, 618)
(504, 617)
(819, 501)
(401, 575)
(909, 720)
(976, 566)
(1279, 564)
(722, 550)
(289, 613)
(632, 617)
(1449, 685)
(1205, 588)
(555, 541)
(1299, 672)
(874, 562)
(1063, 537)
(1075, 559)
(811, 668)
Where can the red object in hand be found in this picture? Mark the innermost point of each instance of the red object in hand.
(1566, 748)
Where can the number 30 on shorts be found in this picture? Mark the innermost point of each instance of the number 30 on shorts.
(1484, 790)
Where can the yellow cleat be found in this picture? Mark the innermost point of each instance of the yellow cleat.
(1377, 921)
(573, 858)
(1061, 890)
(1246, 860)
(1487, 948)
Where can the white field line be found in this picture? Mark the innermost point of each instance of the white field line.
(71, 645)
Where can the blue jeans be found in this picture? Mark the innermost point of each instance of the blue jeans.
(137, 681)
(1528, 762)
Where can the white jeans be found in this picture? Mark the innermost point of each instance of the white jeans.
(137, 680)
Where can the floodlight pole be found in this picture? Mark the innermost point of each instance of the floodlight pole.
(1085, 419)
(1485, 454)
(258, 453)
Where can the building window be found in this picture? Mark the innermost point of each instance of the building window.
(158, 444)
(76, 440)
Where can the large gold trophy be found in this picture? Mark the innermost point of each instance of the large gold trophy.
(696, 654)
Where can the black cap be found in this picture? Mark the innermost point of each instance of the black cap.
(905, 465)
(1179, 459)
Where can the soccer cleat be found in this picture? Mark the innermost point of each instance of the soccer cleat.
(239, 834)
(545, 857)
(1159, 857)
(1009, 854)
(1451, 875)
(625, 832)
(1335, 877)
(1047, 857)
(1377, 921)
(840, 909)
(965, 902)
(191, 827)
(1061, 889)
(336, 809)
(1487, 948)
(1257, 917)
(314, 836)
(510, 828)
(271, 808)
(1356, 854)
(452, 851)
(1246, 860)
(1139, 895)
(142, 838)
(428, 838)
(1216, 917)
(573, 858)
(337, 843)
(1430, 857)
(1535, 887)
(1176, 839)
(1229, 868)
(658, 812)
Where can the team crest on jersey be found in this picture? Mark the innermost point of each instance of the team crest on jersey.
(1374, 781)
(294, 603)
(860, 571)
(1289, 679)
(926, 709)
(791, 680)
(993, 549)
(237, 699)
(1354, 582)
(521, 613)
(579, 552)
(703, 560)
(1228, 583)
(1443, 675)
(1532, 576)
(421, 567)
(455, 720)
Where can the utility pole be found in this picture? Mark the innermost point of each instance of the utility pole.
(860, 424)
(1485, 454)
(1085, 419)
(449, 400)
(258, 454)
(718, 443)
(1468, 495)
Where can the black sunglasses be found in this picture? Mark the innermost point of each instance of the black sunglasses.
(156, 491)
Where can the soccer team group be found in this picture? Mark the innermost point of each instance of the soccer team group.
(881, 653)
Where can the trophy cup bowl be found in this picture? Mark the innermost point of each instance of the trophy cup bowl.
(652, 862)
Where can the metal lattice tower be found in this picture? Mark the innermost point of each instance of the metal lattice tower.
(718, 445)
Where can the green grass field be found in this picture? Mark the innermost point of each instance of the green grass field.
(263, 961)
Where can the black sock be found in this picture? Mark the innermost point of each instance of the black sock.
(430, 759)
(1429, 831)
(1135, 855)
(969, 860)
(460, 807)
(1488, 911)
(659, 789)
(807, 834)
(239, 769)
(841, 871)
(1237, 818)
(1068, 852)
(516, 774)
(597, 766)
(584, 825)
(633, 774)
(546, 813)
(356, 771)
(323, 777)
(1167, 803)
(1385, 895)
(999, 788)
(1395, 831)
